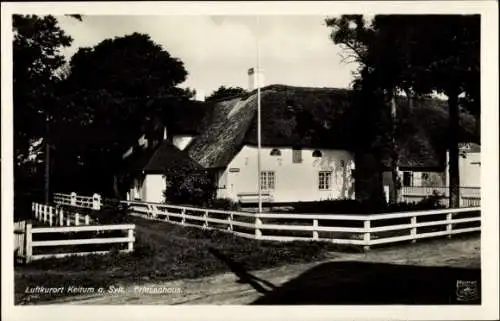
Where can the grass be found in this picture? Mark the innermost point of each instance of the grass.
(163, 252)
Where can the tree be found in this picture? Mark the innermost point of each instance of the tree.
(115, 92)
(441, 54)
(36, 57)
(377, 52)
(449, 51)
(225, 92)
(417, 55)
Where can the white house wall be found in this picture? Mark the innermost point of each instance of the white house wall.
(469, 170)
(154, 185)
(293, 181)
(150, 189)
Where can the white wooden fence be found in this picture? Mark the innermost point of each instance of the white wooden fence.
(362, 230)
(57, 217)
(469, 196)
(61, 225)
(19, 228)
(92, 202)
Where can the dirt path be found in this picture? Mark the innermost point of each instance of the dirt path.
(227, 289)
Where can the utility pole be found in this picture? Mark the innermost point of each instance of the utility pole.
(257, 74)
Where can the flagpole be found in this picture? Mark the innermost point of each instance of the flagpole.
(257, 78)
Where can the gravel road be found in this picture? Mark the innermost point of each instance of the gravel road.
(227, 288)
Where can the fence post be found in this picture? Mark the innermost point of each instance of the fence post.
(77, 219)
(258, 225)
(230, 222)
(154, 211)
(449, 226)
(35, 210)
(51, 215)
(87, 220)
(205, 216)
(131, 240)
(315, 230)
(28, 250)
(413, 231)
(366, 236)
(68, 220)
(167, 217)
(387, 193)
(45, 214)
(72, 200)
(61, 217)
(183, 213)
(96, 202)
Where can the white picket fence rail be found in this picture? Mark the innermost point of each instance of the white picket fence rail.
(57, 217)
(62, 224)
(362, 230)
(469, 196)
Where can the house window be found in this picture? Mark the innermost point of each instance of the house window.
(325, 180)
(297, 155)
(275, 152)
(267, 180)
(407, 178)
(317, 153)
(425, 176)
(342, 163)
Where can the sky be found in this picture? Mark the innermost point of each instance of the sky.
(219, 50)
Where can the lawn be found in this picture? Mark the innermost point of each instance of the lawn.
(163, 252)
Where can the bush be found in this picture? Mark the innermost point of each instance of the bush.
(433, 201)
(189, 187)
(111, 213)
(365, 207)
(224, 204)
(338, 207)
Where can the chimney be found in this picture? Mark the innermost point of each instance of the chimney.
(255, 79)
(200, 95)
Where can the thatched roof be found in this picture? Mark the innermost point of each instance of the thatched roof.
(314, 118)
(160, 159)
(225, 129)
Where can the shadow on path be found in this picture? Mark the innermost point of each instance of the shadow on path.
(352, 283)
(244, 276)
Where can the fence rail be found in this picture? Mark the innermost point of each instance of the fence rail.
(361, 230)
(61, 233)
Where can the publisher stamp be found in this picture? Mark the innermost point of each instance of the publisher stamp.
(467, 290)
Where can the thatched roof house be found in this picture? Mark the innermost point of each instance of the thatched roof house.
(317, 118)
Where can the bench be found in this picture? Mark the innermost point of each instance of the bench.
(266, 197)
